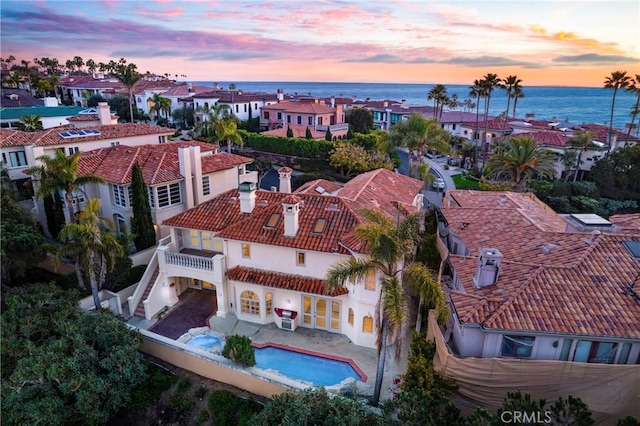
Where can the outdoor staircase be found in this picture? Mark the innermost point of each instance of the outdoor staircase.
(140, 308)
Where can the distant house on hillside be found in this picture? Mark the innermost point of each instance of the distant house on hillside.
(303, 113)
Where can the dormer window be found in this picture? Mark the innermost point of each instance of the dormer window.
(319, 226)
(272, 221)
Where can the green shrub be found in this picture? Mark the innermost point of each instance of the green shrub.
(238, 349)
(183, 386)
(150, 390)
(203, 416)
(299, 147)
(395, 158)
(182, 404)
(230, 409)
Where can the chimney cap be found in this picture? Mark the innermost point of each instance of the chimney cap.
(285, 169)
(247, 187)
(291, 199)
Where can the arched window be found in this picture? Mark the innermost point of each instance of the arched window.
(351, 317)
(206, 105)
(269, 302)
(367, 324)
(249, 303)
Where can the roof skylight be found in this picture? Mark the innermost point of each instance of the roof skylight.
(319, 226)
(272, 221)
(78, 133)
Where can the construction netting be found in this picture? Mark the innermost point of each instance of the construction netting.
(611, 391)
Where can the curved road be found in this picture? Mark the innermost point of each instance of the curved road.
(436, 167)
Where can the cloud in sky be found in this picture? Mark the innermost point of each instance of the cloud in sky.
(361, 40)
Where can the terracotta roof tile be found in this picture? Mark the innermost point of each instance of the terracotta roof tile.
(159, 162)
(550, 280)
(283, 281)
(319, 186)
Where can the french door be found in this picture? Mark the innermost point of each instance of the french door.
(321, 313)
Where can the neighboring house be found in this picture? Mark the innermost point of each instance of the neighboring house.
(11, 98)
(78, 88)
(51, 115)
(164, 168)
(266, 253)
(304, 112)
(178, 94)
(242, 104)
(528, 284)
(21, 149)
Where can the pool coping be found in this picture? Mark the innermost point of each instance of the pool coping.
(349, 361)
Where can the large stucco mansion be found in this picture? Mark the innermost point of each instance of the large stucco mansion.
(266, 253)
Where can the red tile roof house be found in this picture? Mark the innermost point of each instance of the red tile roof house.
(300, 114)
(164, 168)
(266, 253)
(20, 150)
(528, 284)
(241, 104)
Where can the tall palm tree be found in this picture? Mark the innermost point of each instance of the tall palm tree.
(60, 173)
(489, 83)
(519, 160)
(581, 141)
(420, 134)
(92, 245)
(391, 244)
(617, 80)
(128, 75)
(476, 91)
(212, 117)
(517, 94)
(569, 161)
(438, 94)
(509, 83)
(634, 87)
(159, 104)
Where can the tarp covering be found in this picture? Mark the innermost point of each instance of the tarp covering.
(611, 391)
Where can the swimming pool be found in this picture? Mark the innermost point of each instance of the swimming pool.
(206, 341)
(305, 367)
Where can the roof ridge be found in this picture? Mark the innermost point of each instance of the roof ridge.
(155, 173)
(373, 173)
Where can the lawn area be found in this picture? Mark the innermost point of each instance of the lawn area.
(462, 183)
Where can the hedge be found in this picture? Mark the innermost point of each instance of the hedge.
(299, 147)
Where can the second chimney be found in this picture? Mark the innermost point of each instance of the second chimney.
(104, 113)
(290, 209)
(247, 192)
(285, 179)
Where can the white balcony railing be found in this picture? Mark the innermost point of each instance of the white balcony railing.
(332, 128)
(189, 261)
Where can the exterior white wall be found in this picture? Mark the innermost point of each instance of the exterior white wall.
(282, 259)
(103, 143)
(468, 340)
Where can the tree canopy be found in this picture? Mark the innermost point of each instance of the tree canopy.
(61, 365)
(144, 234)
(360, 119)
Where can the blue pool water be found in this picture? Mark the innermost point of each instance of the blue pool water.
(307, 368)
(206, 341)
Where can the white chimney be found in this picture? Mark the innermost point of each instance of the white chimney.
(196, 173)
(285, 179)
(280, 95)
(184, 160)
(104, 113)
(488, 267)
(290, 209)
(333, 102)
(247, 191)
(190, 87)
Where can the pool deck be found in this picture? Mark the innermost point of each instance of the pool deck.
(308, 340)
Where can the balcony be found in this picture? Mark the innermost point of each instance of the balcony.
(333, 128)
(189, 261)
(200, 264)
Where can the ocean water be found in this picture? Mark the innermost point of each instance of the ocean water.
(575, 104)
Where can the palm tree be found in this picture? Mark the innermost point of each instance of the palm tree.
(392, 244)
(159, 104)
(438, 94)
(617, 80)
(420, 134)
(520, 160)
(60, 173)
(517, 94)
(211, 118)
(228, 132)
(476, 91)
(569, 161)
(92, 245)
(30, 123)
(128, 75)
(634, 87)
(582, 141)
(509, 84)
(490, 82)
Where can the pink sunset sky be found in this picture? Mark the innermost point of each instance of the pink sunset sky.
(560, 43)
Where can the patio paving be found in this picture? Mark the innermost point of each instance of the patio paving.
(197, 307)
(192, 311)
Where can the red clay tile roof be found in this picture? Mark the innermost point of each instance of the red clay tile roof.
(381, 189)
(88, 117)
(16, 138)
(319, 186)
(283, 281)
(626, 223)
(547, 138)
(550, 280)
(159, 163)
(222, 214)
(51, 137)
(291, 199)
